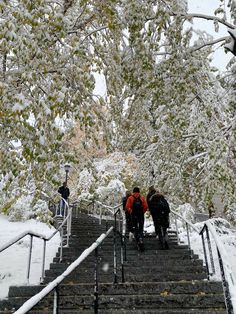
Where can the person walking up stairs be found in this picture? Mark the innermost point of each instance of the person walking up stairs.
(136, 205)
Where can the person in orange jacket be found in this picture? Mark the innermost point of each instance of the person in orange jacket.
(136, 205)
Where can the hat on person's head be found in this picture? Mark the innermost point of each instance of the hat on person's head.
(136, 190)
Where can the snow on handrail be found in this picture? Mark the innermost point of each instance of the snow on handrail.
(189, 223)
(104, 205)
(222, 251)
(28, 305)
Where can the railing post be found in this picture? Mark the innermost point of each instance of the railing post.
(125, 250)
(205, 255)
(43, 262)
(189, 243)
(177, 231)
(122, 258)
(68, 226)
(210, 252)
(114, 252)
(29, 259)
(106, 224)
(70, 219)
(61, 248)
(100, 215)
(119, 220)
(56, 301)
(229, 306)
(96, 282)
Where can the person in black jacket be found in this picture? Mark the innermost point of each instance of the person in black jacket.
(65, 193)
(160, 211)
(151, 191)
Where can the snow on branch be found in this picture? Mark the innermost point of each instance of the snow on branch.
(199, 16)
(196, 157)
(189, 135)
(209, 43)
(75, 31)
(207, 17)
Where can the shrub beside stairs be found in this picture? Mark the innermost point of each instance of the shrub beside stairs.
(156, 281)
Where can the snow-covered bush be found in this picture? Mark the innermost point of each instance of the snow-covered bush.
(112, 193)
(20, 210)
(25, 208)
(41, 212)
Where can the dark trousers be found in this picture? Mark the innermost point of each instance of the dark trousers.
(162, 235)
(138, 223)
(161, 225)
(129, 224)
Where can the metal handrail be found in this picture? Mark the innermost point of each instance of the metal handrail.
(67, 220)
(28, 305)
(208, 227)
(188, 225)
(54, 285)
(121, 233)
(114, 211)
(221, 253)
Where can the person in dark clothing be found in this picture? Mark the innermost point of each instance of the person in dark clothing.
(136, 205)
(128, 218)
(160, 210)
(65, 193)
(151, 191)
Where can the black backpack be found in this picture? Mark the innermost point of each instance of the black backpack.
(137, 206)
(163, 207)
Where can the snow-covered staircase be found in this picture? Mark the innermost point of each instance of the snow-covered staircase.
(156, 281)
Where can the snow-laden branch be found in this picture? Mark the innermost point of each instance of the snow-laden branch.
(94, 31)
(206, 17)
(190, 135)
(190, 16)
(197, 156)
(75, 31)
(209, 43)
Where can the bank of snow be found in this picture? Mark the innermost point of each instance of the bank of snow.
(14, 260)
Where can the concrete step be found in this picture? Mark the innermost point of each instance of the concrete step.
(133, 270)
(105, 277)
(132, 254)
(142, 257)
(134, 263)
(110, 241)
(111, 302)
(138, 311)
(187, 287)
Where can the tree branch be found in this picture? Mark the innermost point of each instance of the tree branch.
(209, 43)
(199, 16)
(207, 17)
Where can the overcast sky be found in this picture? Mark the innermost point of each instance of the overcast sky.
(220, 58)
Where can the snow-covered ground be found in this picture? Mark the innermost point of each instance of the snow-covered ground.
(14, 260)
